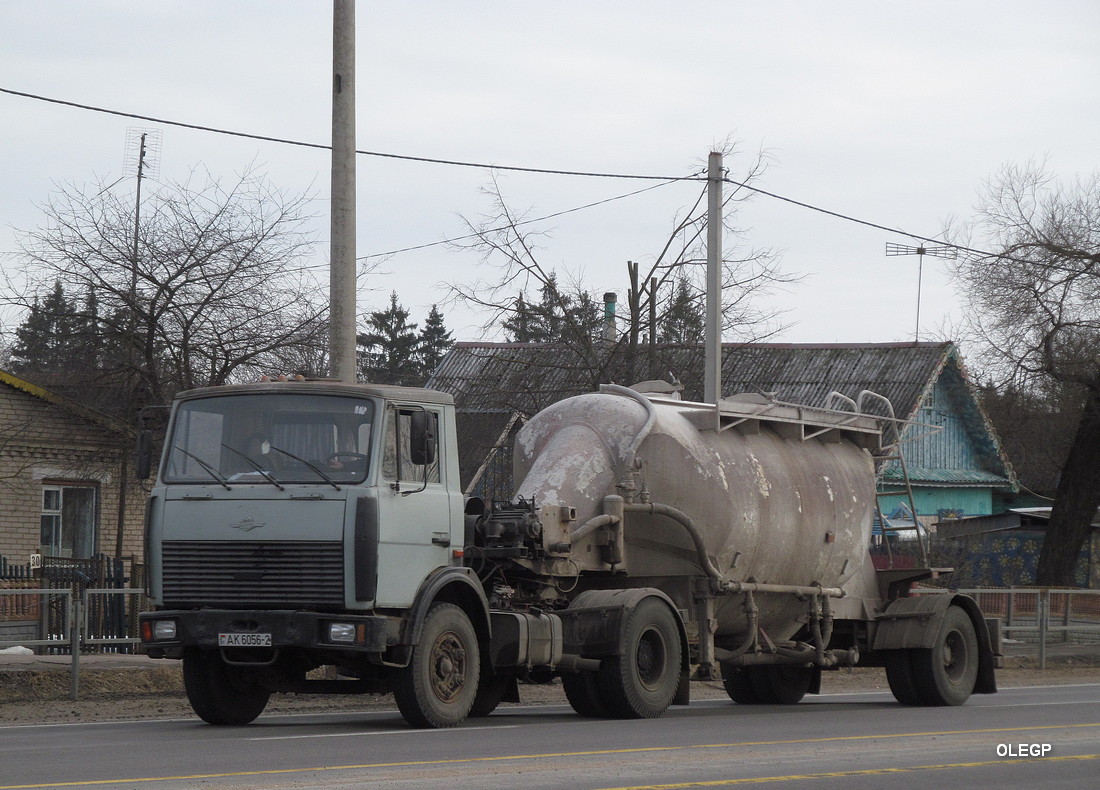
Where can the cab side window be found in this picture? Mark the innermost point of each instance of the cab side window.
(411, 446)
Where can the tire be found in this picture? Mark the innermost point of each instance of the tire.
(641, 683)
(582, 689)
(438, 687)
(899, 673)
(738, 684)
(945, 674)
(780, 684)
(220, 693)
(490, 692)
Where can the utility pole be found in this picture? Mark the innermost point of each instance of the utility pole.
(342, 224)
(712, 365)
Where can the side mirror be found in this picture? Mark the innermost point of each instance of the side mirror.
(422, 437)
(144, 461)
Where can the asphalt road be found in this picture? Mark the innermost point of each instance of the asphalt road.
(856, 741)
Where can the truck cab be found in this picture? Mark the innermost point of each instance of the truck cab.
(301, 518)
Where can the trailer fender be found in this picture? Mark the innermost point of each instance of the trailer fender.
(592, 624)
(914, 622)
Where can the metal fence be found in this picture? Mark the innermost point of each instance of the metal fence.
(1039, 615)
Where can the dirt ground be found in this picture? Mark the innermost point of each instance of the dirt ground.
(127, 694)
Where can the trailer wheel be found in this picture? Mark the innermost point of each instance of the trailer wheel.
(641, 683)
(738, 684)
(945, 674)
(899, 674)
(780, 684)
(221, 693)
(583, 691)
(438, 687)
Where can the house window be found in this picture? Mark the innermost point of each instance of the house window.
(68, 520)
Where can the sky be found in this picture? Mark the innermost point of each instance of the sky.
(892, 113)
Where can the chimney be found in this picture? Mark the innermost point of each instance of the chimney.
(609, 333)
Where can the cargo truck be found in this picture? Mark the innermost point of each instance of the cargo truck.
(313, 537)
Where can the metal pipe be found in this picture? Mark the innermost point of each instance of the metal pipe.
(795, 589)
(651, 417)
(583, 531)
(574, 663)
(684, 520)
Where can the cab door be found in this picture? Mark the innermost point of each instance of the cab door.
(414, 503)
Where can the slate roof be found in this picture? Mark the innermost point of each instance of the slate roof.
(503, 376)
(498, 380)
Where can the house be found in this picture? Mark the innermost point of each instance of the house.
(66, 489)
(954, 462)
(1002, 550)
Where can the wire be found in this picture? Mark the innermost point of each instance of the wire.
(284, 141)
(858, 221)
(516, 224)
(483, 165)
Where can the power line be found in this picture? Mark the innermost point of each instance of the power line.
(320, 146)
(515, 224)
(482, 165)
(848, 218)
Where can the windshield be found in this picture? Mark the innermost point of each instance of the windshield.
(270, 440)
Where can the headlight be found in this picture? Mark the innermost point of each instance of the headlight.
(341, 632)
(158, 631)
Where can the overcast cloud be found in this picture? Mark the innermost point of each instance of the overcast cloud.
(889, 112)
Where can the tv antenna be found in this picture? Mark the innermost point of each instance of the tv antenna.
(938, 251)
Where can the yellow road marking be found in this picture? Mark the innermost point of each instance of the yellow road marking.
(846, 774)
(590, 753)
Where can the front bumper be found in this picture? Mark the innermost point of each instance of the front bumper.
(288, 629)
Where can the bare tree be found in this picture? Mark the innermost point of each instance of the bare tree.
(1035, 302)
(211, 286)
(501, 240)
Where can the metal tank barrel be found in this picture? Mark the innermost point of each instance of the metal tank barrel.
(779, 494)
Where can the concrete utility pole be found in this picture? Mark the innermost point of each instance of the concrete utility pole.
(342, 229)
(712, 366)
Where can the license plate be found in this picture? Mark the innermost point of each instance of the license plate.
(244, 640)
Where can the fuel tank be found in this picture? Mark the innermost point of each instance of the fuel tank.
(780, 494)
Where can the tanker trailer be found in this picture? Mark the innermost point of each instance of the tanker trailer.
(750, 524)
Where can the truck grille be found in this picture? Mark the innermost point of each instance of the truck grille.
(238, 574)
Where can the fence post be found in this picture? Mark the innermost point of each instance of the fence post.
(1010, 608)
(1067, 620)
(74, 647)
(1043, 613)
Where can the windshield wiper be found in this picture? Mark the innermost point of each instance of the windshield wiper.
(210, 470)
(314, 467)
(267, 475)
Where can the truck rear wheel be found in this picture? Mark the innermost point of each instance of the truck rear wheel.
(768, 684)
(738, 684)
(221, 693)
(945, 674)
(438, 687)
(641, 683)
(781, 684)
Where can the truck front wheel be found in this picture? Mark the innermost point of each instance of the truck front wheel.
(641, 683)
(220, 693)
(438, 687)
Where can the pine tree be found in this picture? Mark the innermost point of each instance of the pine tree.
(683, 321)
(389, 347)
(435, 341)
(556, 317)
